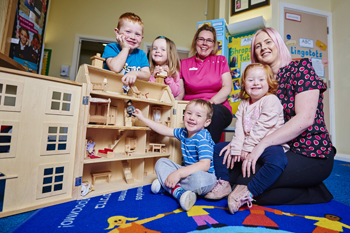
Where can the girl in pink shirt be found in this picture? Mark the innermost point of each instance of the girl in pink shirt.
(165, 63)
(259, 114)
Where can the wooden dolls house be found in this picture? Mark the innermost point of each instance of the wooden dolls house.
(44, 126)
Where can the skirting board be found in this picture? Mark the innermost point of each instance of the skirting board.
(345, 158)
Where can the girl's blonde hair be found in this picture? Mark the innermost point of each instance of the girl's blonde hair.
(271, 81)
(173, 57)
(204, 27)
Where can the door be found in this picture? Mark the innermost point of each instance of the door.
(306, 36)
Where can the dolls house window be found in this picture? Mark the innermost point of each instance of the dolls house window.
(60, 102)
(8, 138)
(10, 95)
(56, 139)
(52, 180)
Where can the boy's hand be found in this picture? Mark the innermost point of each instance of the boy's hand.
(122, 41)
(138, 114)
(173, 179)
(129, 78)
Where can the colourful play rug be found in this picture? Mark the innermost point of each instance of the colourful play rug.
(138, 210)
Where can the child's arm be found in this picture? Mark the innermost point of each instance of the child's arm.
(131, 77)
(117, 63)
(174, 178)
(270, 114)
(182, 90)
(237, 141)
(155, 126)
(174, 83)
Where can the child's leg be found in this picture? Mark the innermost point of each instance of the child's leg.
(221, 170)
(222, 187)
(199, 182)
(164, 167)
(274, 161)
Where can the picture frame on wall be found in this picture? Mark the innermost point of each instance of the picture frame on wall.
(240, 6)
(28, 33)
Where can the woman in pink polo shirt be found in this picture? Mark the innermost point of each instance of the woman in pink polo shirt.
(207, 76)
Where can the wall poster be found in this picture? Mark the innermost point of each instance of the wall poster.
(239, 54)
(28, 32)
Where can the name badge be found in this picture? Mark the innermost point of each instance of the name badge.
(193, 68)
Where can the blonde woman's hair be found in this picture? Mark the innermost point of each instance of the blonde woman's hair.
(271, 81)
(204, 27)
(173, 57)
(206, 104)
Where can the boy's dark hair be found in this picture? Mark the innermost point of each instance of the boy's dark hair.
(205, 104)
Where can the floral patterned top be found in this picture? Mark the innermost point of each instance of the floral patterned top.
(296, 77)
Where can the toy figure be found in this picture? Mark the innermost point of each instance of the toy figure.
(90, 149)
(125, 89)
(130, 109)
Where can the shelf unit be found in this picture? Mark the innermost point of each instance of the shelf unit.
(113, 133)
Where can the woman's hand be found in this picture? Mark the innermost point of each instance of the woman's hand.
(250, 160)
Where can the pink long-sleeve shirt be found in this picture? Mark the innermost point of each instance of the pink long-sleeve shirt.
(255, 121)
(173, 83)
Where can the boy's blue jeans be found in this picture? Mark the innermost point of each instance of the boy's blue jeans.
(272, 161)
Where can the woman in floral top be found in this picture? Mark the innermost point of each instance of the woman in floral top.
(311, 154)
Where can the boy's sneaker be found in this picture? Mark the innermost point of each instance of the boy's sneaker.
(156, 187)
(238, 197)
(187, 200)
(221, 189)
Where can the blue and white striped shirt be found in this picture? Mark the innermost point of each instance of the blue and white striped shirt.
(199, 146)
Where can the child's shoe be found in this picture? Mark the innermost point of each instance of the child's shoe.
(156, 187)
(238, 197)
(187, 200)
(221, 189)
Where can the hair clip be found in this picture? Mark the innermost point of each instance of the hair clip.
(161, 37)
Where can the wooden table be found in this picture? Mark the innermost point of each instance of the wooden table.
(156, 146)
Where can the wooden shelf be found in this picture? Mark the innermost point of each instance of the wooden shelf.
(90, 126)
(121, 157)
(8, 177)
(102, 187)
(115, 95)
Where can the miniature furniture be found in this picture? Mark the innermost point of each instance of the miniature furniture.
(97, 60)
(130, 145)
(99, 110)
(161, 76)
(156, 113)
(95, 175)
(127, 172)
(136, 93)
(156, 147)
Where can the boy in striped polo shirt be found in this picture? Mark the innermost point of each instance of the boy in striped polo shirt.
(197, 176)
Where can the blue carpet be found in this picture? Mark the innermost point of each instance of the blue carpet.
(71, 217)
(140, 211)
